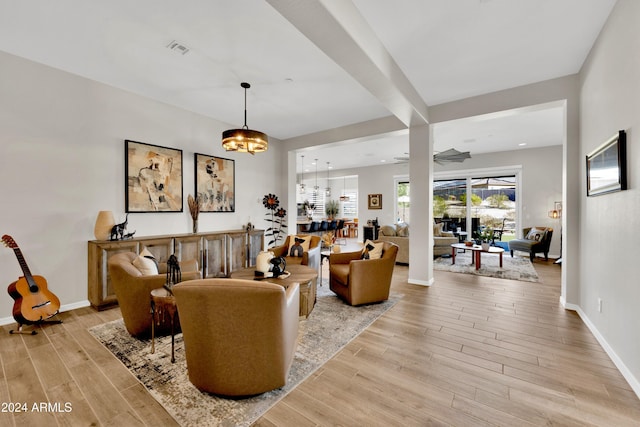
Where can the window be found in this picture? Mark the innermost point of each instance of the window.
(492, 204)
(403, 202)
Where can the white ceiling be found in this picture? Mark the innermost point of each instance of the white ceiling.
(428, 51)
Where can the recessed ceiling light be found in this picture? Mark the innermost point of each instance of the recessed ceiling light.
(522, 144)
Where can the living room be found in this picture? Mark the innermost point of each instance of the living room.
(62, 141)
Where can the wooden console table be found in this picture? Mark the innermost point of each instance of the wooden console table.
(218, 253)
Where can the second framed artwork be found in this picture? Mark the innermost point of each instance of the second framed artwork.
(375, 201)
(215, 181)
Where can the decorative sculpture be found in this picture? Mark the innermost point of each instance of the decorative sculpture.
(174, 275)
(118, 230)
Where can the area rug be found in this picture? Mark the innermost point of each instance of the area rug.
(330, 326)
(516, 268)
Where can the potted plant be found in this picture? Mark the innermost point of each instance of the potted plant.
(332, 208)
(485, 237)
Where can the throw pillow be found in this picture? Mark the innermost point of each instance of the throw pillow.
(146, 265)
(147, 254)
(304, 241)
(372, 250)
(403, 231)
(437, 229)
(387, 230)
(536, 234)
(296, 249)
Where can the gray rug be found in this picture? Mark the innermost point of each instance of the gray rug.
(516, 268)
(331, 325)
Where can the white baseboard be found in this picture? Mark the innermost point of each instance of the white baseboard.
(66, 307)
(420, 282)
(626, 373)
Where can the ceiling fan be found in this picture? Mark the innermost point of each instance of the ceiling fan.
(448, 156)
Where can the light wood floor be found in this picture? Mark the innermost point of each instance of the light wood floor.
(465, 351)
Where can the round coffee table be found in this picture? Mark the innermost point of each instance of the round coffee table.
(305, 277)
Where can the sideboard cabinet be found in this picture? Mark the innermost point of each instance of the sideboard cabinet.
(218, 254)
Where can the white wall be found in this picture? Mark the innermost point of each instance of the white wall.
(62, 150)
(610, 101)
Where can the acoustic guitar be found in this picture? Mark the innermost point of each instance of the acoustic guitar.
(33, 301)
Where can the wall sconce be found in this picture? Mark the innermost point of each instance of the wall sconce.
(556, 212)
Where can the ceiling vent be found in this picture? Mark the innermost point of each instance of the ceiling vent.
(178, 47)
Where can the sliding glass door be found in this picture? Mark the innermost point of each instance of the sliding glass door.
(470, 204)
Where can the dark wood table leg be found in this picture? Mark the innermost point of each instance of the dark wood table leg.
(453, 255)
(153, 329)
(173, 322)
(501, 259)
(478, 256)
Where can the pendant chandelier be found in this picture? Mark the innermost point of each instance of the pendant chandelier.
(327, 190)
(344, 197)
(302, 187)
(245, 140)
(315, 187)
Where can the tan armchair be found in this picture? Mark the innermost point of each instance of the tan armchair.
(362, 281)
(310, 258)
(239, 336)
(133, 289)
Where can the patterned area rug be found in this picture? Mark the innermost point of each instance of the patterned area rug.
(331, 325)
(516, 268)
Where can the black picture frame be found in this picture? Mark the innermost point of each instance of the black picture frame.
(153, 178)
(215, 183)
(607, 166)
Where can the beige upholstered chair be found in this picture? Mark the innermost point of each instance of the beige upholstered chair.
(133, 289)
(239, 335)
(362, 281)
(310, 258)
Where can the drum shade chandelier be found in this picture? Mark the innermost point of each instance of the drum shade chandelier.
(245, 140)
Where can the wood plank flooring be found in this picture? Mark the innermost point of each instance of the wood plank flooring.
(468, 351)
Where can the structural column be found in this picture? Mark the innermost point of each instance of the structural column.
(421, 230)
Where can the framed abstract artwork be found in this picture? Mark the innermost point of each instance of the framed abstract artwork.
(215, 180)
(607, 166)
(375, 201)
(153, 178)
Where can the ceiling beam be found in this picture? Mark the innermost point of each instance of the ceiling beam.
(342, 33)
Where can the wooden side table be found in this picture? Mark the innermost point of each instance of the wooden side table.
(163, 308)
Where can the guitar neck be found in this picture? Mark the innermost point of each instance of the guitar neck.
(25, 269)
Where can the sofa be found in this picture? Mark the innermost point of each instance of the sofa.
(442, 240)
(399, 234)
